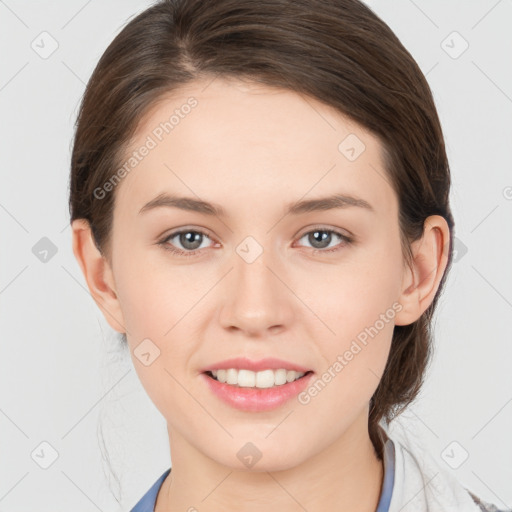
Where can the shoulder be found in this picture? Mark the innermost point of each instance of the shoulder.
(415, 469)
(148, 501)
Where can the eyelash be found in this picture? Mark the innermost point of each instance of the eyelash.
(164, 243)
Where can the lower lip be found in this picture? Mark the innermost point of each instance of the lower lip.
(257, 399)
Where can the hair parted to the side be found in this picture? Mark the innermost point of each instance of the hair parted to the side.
(336, 51)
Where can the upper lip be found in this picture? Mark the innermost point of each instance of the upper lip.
(255, 366)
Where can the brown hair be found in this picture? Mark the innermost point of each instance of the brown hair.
(336, 51)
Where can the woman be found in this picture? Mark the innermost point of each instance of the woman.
(259, 203)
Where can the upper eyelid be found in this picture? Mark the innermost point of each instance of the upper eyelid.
(338, 231)
(307, 230)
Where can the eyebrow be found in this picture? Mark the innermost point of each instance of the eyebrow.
(296, 208)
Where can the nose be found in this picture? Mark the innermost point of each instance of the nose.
(256, 299)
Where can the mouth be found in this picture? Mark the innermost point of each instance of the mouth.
(258, 380)
(256, 393)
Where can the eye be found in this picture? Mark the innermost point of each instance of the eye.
(321, 238)
(190, 239)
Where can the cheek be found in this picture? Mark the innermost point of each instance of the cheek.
(157, 302)
(354, 294)
(153, 296)
(354, 340)
(155, 308)
(357, 303)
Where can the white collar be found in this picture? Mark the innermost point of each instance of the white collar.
(420, 484)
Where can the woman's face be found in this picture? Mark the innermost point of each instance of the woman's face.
(268, 278)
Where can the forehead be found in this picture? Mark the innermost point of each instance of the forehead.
(248, 111)
(218, 138)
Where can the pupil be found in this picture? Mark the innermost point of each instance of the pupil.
(186, 239)
(324, 235)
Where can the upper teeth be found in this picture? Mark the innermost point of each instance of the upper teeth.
(250, 379)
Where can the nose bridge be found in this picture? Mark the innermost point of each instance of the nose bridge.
(256, 299)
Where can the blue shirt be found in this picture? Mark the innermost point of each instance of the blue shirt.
(147, 502)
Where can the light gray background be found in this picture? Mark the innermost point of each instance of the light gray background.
(61, 373)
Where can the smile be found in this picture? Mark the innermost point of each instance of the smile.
(262, 379)
(252, 398)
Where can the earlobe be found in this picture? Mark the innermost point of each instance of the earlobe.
(97, 273)
(421, 280)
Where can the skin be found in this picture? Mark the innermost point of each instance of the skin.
(254, 149)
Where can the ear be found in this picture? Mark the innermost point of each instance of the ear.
(97, 273)
(421, 281)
